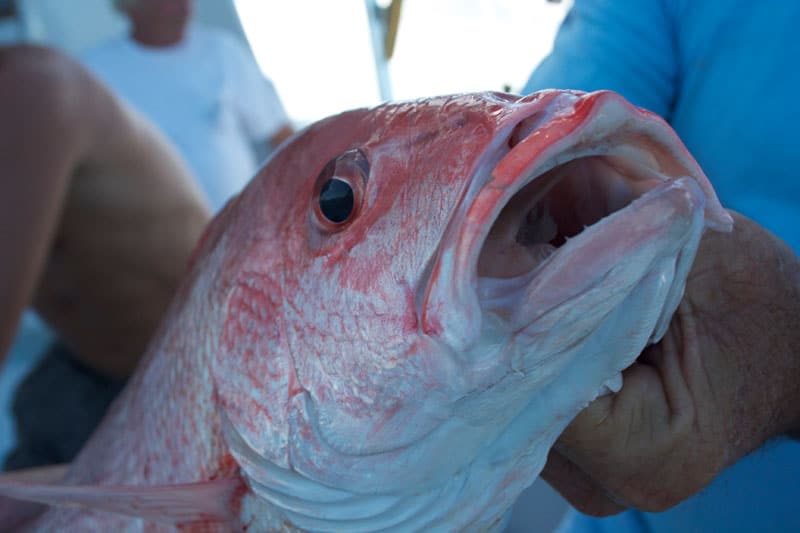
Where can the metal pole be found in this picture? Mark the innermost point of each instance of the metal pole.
(377, 18)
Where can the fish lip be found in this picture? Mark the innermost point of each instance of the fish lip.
(568, 126)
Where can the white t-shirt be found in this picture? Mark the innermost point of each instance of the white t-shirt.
(206, 94)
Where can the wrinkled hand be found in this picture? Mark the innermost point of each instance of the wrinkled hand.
(722, 382)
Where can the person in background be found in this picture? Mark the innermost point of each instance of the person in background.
(98, 217)
(700, 430)
(205, 92)
(200, 86)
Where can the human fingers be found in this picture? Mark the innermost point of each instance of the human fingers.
(643, 445)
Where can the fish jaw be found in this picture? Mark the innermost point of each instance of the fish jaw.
(564, 354)
(542, 343)
(628, 150)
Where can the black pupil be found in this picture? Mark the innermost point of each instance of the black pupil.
(336, 200)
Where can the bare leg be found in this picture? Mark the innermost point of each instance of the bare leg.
(98, 215)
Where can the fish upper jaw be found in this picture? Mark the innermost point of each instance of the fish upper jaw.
(569, 170)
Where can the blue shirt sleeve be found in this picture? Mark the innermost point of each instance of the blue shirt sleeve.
(627, 46)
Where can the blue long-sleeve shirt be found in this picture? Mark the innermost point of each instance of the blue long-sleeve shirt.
(726, 75)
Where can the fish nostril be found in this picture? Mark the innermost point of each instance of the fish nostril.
(525, 128)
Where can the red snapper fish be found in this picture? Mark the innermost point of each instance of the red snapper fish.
(393, 322)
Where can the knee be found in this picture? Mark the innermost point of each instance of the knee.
(40, 82)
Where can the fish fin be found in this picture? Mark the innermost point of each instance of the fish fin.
(39, 474)
(14, 513)
(206, 502)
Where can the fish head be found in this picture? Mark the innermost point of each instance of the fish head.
(415, 299)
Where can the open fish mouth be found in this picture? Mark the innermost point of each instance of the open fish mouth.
(551, 209)
(587, 175)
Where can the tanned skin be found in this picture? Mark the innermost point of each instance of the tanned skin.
(98, 215)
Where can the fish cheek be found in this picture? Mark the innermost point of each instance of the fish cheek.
(254, 374)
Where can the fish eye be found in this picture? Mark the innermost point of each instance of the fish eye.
(336, 200)
(339, 190)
